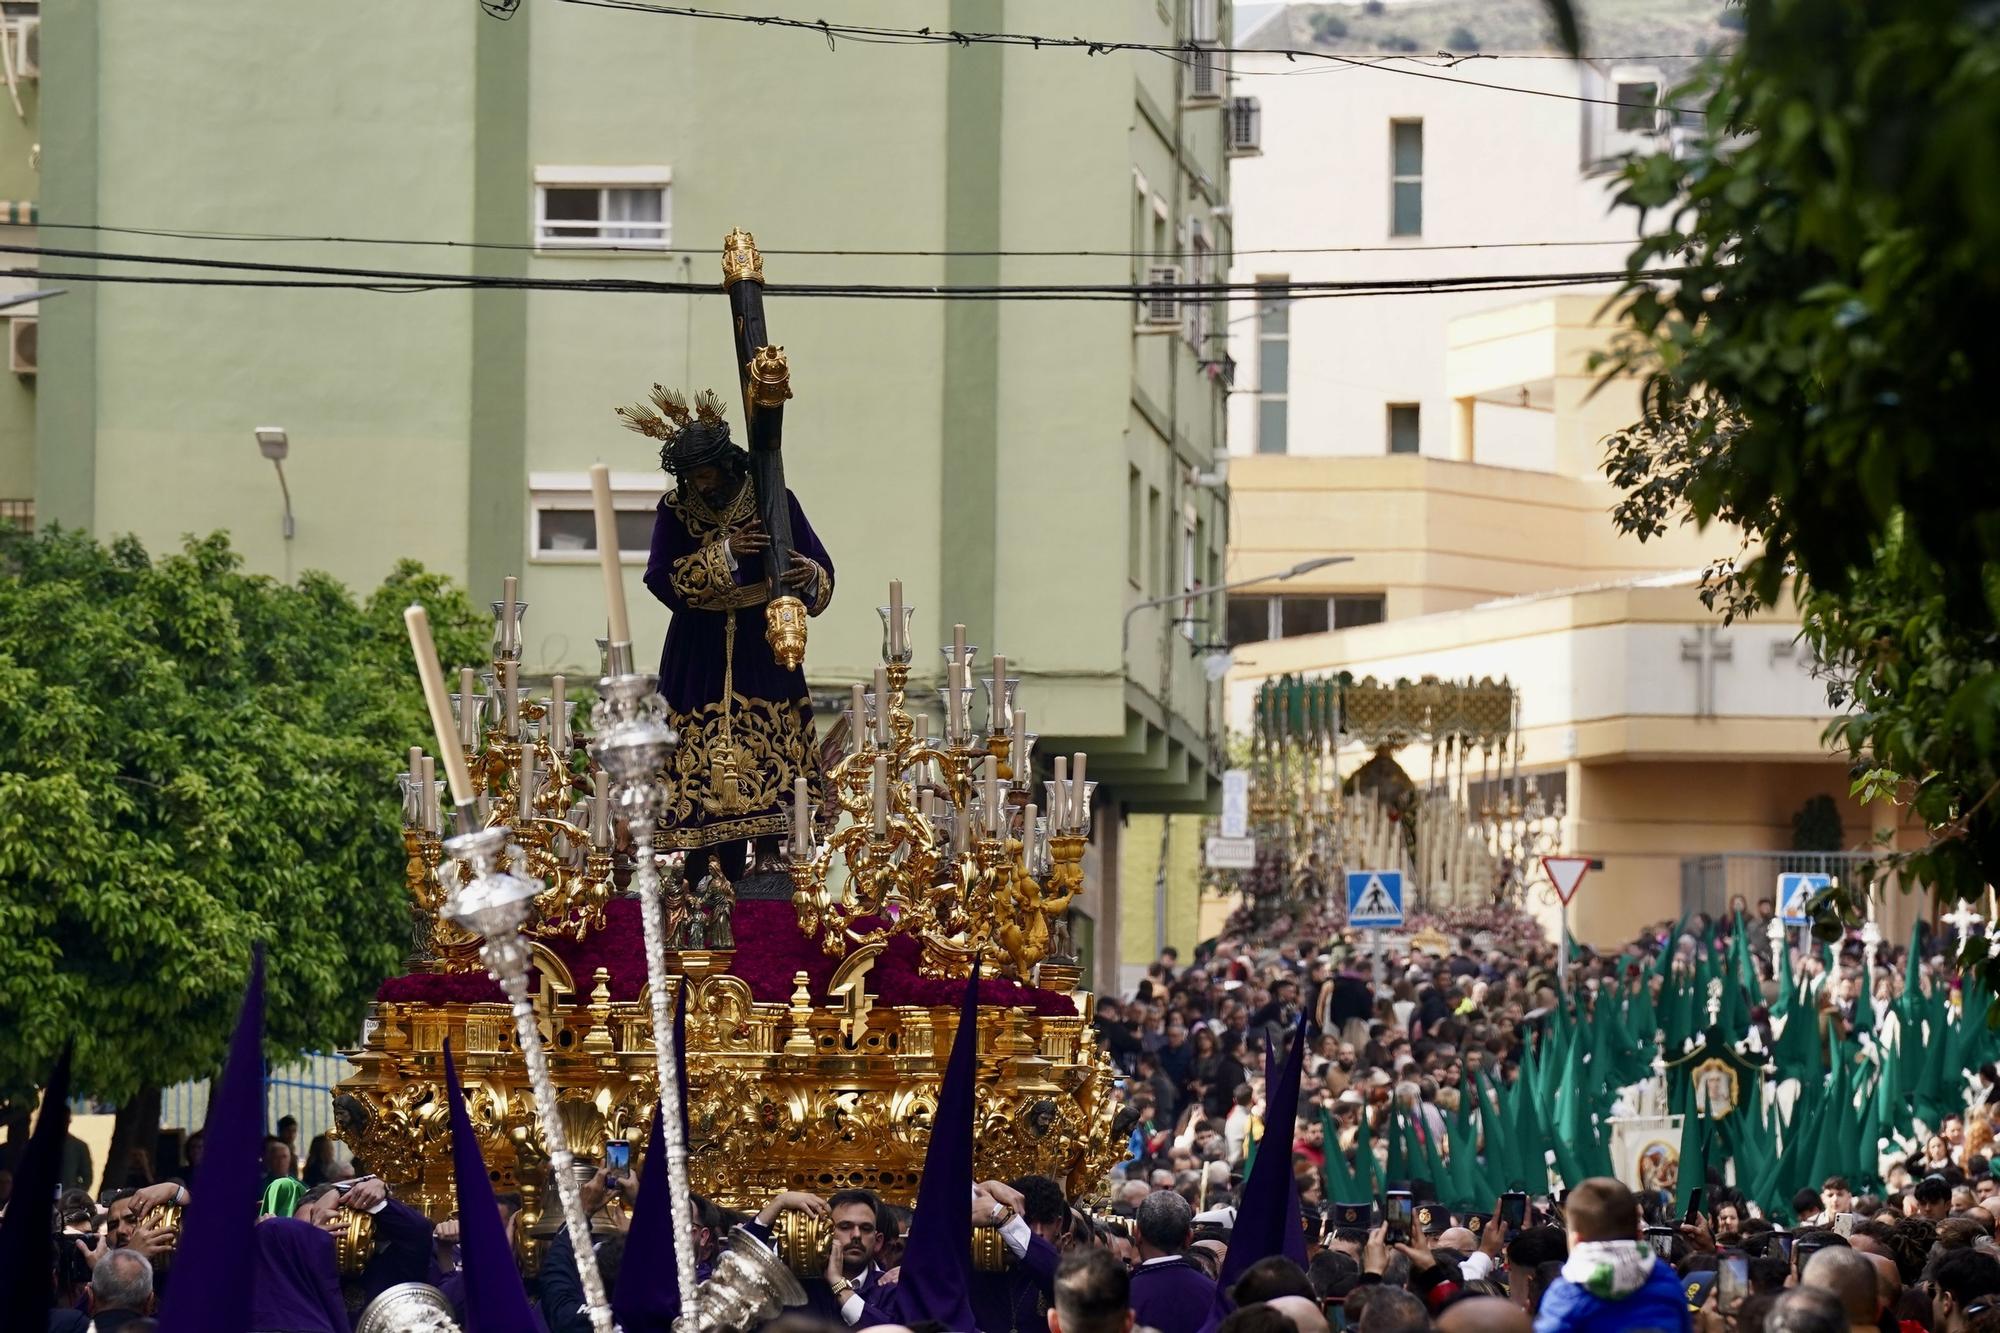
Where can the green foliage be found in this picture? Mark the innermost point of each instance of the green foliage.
(1820, 375)
(1328, 27)
(1461, 39)
(191, 759)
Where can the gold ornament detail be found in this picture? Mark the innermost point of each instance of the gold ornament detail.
(785, 630)
(740, 258)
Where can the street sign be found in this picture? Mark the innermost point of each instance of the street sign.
(1566, 873)
(1795, 893)
(1375, 898)
(1231, 853)
(1235, 803)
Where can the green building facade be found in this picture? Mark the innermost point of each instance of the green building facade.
(1026, 468)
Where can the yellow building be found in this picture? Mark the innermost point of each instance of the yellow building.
(1671, 739)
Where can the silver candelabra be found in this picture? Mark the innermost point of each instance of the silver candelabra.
(494, 903)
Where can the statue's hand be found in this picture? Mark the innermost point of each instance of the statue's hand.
(750, 539)
(802, 574)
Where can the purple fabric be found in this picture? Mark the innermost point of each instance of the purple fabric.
(937, 1262)
(404, 1249)
(691, 661)
(495, 1301)
(27, 1248)
(1172, 1297)
(648, 1296)
(294, 1284)
(781, 951)
(1262, 1216)
(207, 1294)
(1018, 1296)
(1295, 1226)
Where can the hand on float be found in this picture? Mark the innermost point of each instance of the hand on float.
(793, 1201)
(367, 1195)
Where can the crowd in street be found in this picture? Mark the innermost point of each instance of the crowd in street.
(1389, 1047)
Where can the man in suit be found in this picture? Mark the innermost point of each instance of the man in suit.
(860, 1223)
(1169, 1293)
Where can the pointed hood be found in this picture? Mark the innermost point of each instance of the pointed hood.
(1264, 1214)
(648, 1296)
(208, 1293)
(937, 1262)
(27, 1253)
(495, 1300)
(1295, 1226)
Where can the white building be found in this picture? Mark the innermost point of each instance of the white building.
(1390, 170)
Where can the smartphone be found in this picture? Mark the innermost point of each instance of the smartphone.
(1844, 1223)
(1693, 1213)
(1802, 1253)
(618, 1155)
(1400, 1213)
(1514, 1210)
(1662, 1240)
(1732, 1279)
(1785, 1242)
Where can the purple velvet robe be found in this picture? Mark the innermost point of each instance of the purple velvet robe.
(1017, 1299)
(1172, 1297)
(720, 679)
(294, 1280)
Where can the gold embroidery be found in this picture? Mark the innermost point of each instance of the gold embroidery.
(703, 579)
(769, 740)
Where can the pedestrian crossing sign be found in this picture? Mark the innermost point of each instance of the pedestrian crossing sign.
(1375, 898)
(1795, 896)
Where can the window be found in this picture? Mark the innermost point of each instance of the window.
(1135, 530)
(562, 526)
(1274, 365)
(1155, 540)
(1406, 167)
(1403, 421)
(594, 206)
(1255, 619)
(1202, 272)
(21, 513)
(1638, 106)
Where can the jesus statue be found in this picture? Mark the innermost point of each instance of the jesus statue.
(745, 720)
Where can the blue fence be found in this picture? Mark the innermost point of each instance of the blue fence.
(301, 1089)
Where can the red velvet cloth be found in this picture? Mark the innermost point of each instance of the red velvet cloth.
(771, 949)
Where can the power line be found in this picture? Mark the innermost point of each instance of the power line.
(886, 36)
(393, 281)
(174, 233)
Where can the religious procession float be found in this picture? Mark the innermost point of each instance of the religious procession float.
(814, 908)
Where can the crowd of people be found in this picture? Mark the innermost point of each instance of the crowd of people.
(1912, 1249)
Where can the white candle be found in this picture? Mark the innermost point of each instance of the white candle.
(418, 623)
(1059, 796)
(801, 818)
(600, 809)
(558, 716)
(416, 775)
(958, 830)
(996, 722)
(880, 792)
(1019, 750)
(1027, 828)
(896, 645)
(858, 708)
(510, 594)
(510, 697)
(958, 643)
(992, 793)
(468, 722)
(954, 704)
(923, 725)
(427, 788)
(882, 728)
(607, 552)
(524, 782)
(1076, 810)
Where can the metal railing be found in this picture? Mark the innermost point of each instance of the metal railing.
(301, 1089)
(1710, 882)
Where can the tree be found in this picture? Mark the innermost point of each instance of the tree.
(1819, 375)
(193, 758)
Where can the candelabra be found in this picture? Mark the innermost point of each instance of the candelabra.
(493, 902)
(944, 839)
(529, 777)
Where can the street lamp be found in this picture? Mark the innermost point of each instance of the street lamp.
(274, 444)
(1303, 567)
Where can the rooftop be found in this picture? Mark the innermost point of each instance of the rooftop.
(1611, 28)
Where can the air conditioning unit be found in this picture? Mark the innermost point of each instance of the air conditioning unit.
(21, 344)
(1246, 126)
(1204, 74)
(1162, 303)
(27, 39)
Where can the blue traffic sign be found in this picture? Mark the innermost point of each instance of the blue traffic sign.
(1795, 892)
(1375, 898)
